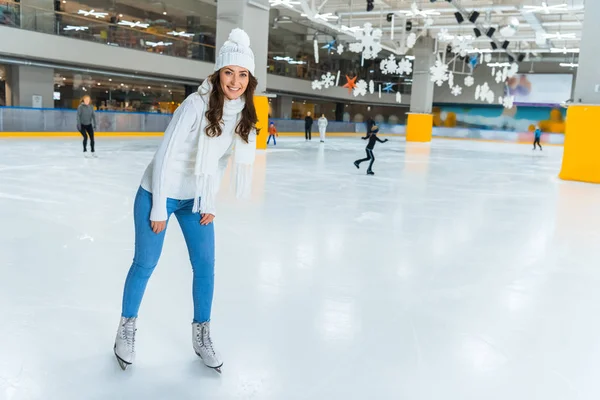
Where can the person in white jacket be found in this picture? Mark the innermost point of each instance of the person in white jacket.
(322, 127)
(183, 179)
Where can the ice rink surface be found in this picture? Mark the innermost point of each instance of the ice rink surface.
(462, 270)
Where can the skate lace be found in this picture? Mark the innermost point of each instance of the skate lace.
(203, 336)
(128, 333)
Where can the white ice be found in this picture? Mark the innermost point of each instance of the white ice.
(462, 270)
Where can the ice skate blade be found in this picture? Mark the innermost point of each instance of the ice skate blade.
(218, 369)
(122, 363)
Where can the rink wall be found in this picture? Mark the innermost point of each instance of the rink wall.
(49, 122)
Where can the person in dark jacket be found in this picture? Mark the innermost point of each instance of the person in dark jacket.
(308, 123)
(369, 122)
(86, 123)
(372, 137)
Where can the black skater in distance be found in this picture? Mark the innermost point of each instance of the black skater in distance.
(308, 123)
(372, 139)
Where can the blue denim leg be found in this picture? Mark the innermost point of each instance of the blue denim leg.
(200, 241)
(148, 246)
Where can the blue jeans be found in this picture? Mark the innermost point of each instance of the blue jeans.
(274, 140)
(200, 241)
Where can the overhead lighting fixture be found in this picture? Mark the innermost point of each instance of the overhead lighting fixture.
(490, 32)
(75, 28)
(459, 18)
(323, 17)
(370, 5)
(289, 60)
(569, 65)
(416, 12)
(353, 29)
(498, 64)
(157, 44)
(505, 44)
(409, 57)
(565, 50)
(545, 8)
(285, 3)
(560, 36)
(136, 24)
(477, 32)
(473, 17)
(182, 34)
(494, 46)
(93, 13)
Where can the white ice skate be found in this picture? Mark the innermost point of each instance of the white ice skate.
(203, 346)
(125, 342)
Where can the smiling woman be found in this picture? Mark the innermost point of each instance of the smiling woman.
(183, 179)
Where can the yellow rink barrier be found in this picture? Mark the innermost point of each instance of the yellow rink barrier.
(580, 159)
(261, 104)
(419, 127)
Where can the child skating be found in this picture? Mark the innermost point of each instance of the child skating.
(538, 136)
(372, 137)
(272, 134)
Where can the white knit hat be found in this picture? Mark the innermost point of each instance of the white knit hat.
(236, 51)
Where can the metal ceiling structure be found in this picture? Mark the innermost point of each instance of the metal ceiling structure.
(530, 27)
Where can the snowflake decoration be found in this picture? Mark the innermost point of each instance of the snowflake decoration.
(451, 79)
(340, 49)
(327, 80)
(513, 70)
(482, 92)
(444, 35)
(461, 45)
(369, 42)
(350, 83)
(361, 88)
(398, 97)
(316, 48)
(499, 76)
(507, 102)
(488, 57)
(456, 90)
(388, 88)
(317, 85)
(439, 73)
(490, 97)
(411, 40)
(469, 81)
(388, 66)
(404, 67)
(371, 86)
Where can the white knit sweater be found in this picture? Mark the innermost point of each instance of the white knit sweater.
(171, 173)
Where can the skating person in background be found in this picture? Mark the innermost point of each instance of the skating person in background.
(272, 133)
(322, 123)
(538, 136)
(86, 123)
(183, 179)
(372, 137)
(308, 123)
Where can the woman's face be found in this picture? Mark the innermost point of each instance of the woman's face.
(234, 81)
(86, 101)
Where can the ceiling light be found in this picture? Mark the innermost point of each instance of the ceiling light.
(149, 87)
(164, 13)
(134, 24)
(120, 15)
(569, 65)
(182, 34)
(495, 65)
(285, 3)
(352, 29)
(545, 8)
(75, 28)
(564, 50)
(99, 84)
(93, 13)
(110, 79)
(156, 44)
(560, 36)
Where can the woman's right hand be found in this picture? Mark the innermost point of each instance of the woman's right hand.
(158, 226)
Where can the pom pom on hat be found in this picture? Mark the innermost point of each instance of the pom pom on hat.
(236, 51)
(240, 37)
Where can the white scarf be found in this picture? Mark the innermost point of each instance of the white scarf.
(208, 155)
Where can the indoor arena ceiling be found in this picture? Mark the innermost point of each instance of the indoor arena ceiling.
(529, 26)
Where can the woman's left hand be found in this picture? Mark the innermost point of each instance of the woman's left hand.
(207, 219)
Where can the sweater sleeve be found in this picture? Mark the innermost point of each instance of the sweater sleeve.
(79, 116)
(184, 120)
(93, 117)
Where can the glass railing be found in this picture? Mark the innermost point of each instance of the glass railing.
(310, 72)
(101, 31)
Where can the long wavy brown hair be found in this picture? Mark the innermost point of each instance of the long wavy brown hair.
(214, 114)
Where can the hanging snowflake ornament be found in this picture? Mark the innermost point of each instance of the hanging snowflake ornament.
(317, 85)
(404, 67)
(469, 81)
(499, 76)
(429, 22)
(494, 71)
(388, 66)
(398, 97)
(477, 92)
(462, 45)
(488, 57)
(327, 80)
(456, 90)
(507, 101)
(513, 70)
(316, 48)
(439, 73)
(340, 49)
(369, 42)
(411, 40)
(451, 79)
(371, 86)
(490, 97)
(444, 35)
(361, 88)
